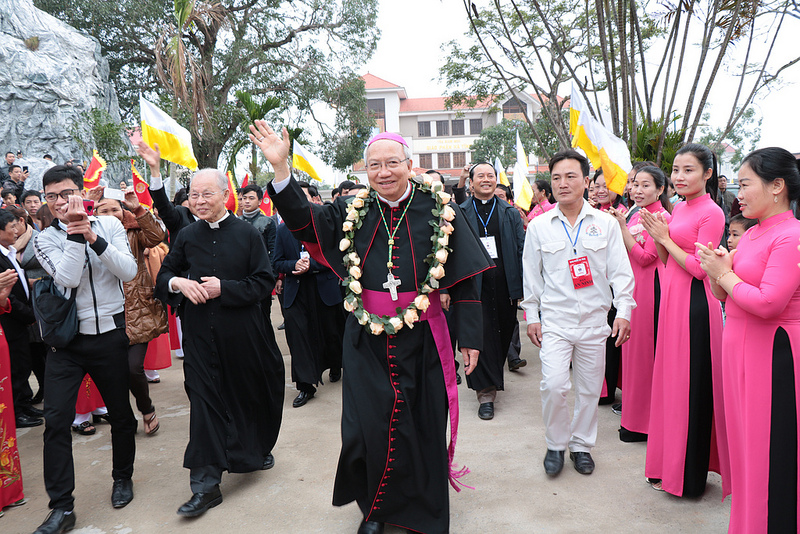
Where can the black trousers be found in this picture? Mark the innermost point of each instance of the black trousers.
(138, 380)
(20, 359)
(105, 358)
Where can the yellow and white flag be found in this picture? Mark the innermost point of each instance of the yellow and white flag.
(174, 141)
(523, 193)
(603, 148)
(502, 177)
(307, 162)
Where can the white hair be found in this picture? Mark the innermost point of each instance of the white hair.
(406, 150)
(222, 180)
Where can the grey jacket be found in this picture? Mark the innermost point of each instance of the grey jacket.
(98, 280)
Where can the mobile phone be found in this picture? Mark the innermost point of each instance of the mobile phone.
(88, 205)
(25, 168)
(115, 194)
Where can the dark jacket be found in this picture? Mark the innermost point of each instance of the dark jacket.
(267, 227)
(287, 252)
(15, 323)
(175, 218)
(512, 239)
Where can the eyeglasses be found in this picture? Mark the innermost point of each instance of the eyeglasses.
(205, 194)
(391, 164)
(65, 194)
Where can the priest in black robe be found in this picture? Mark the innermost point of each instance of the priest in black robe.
(395, 461)
(218, 272)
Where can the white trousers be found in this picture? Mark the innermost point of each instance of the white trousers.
(586, 349)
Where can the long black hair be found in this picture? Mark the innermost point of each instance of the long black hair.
(708, 160)
(544, 185)
(773, 162)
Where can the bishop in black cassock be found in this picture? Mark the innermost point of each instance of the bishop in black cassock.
(234, 374)
(397, 389)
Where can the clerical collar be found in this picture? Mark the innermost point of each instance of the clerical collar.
(214, 225)
(395, 203)
(484, 202)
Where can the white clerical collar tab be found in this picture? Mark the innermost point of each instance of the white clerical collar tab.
(215, 225)
(395, 203)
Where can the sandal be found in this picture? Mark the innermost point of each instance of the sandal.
(149, 427)
(84, 429)
(655, 483)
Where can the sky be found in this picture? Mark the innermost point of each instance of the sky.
(409, 54)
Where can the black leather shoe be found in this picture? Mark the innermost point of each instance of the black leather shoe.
(583, 462)
(629, 436)
(486, 410)
(458, 379)
(282, 326)
(200, 503)
(32, 411)
(335, 375)
(301, 399)
(26, 421)
(57, 521)
(269, 462)
(553, 462)
(122, 493)
(513, 365)
(370, 527)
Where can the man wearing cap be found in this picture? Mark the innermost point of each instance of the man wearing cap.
(395, 460)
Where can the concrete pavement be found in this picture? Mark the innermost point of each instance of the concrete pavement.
(512, 493)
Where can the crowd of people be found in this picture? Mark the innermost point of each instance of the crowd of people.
(678, 293)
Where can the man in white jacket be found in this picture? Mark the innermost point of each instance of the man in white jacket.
(89, 255)
(574, 266)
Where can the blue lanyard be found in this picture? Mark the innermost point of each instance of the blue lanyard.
(577, 235)
(489, 218)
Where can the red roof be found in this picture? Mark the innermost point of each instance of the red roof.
(373, 82)
(436, 104)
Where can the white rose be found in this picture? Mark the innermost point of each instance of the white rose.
(422, 302)
(436, 185)
(354, 259)
(358, 203)
(396, 322)
(352, 215)
(411, 317)
(376, 328)
(362, 193)
(347, 226)
(444, 240)
(355, 272)
(437, 272)
(355, 287)
(447, 229)
(427, 179)
(348, 306)
(441, 255)
(448, 214)
(344, 244)
(363, 318)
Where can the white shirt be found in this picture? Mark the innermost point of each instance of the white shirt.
(546, 279)
(11, 254)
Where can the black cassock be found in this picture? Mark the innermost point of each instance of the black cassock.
(394, 458)
(233, 370)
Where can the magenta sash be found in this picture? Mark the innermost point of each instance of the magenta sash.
(381, 303)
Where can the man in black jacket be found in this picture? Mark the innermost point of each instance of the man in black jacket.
(15, 326)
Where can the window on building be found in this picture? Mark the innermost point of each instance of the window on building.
(377, 109)
(442, 128)
(444, 160)
(424, 129)
(458, 127)
(475, 126)
(426, 160)
(513, 106)
(459, 159)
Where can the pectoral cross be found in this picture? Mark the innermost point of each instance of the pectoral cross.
(392, 284)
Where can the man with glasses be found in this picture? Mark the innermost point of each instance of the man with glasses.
(91, 257)
(395, 461)
(218, 272)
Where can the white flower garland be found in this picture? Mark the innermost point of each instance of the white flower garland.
(357, 209)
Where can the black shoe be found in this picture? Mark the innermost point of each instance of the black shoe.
(629, 436)
(604, 401)
(370, 527)
(57, 521)
(583, 462)
(100, 418)
(335, 375)
(553, 462)
(486, 410)
(458, 379)
(122, 494)
(26, 421)
(617, 408)
(200, 503)
(269, 462)
(301, 399)
(513, 365)
(282, 326)
(31, 411)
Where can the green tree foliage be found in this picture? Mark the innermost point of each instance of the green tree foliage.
(649, 136)
(303, 52)
(744, 137)
(501, 142)
(98, 130)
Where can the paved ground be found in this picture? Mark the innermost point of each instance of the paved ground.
(512, 494)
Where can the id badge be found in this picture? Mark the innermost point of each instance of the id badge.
(304, 255)
(581, 273)
(490, 245)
